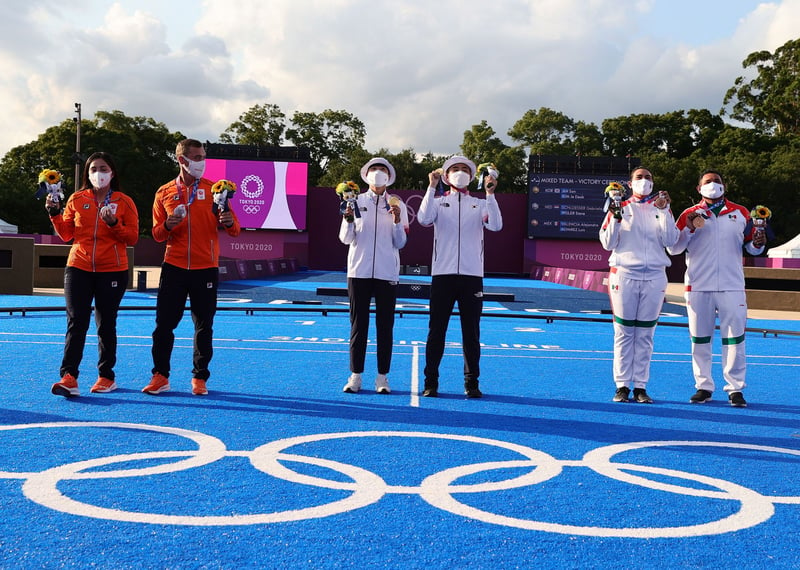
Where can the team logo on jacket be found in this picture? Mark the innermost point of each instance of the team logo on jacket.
(86, 206)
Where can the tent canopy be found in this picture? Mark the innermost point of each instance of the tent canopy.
(791, 249)
(6, 228)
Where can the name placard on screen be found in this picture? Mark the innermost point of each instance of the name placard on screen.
(566, 205)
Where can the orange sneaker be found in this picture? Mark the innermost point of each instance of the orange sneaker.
(158, 383)
(104, 385)
(199, 387)
(67, 387)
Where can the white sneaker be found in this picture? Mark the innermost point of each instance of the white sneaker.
(353, 383)
(382, 384)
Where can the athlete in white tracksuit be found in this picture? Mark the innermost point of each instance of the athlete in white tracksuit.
(637, 280)
(375, 238)
(457, 268)
(715, 284)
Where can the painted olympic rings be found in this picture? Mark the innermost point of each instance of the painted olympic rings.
(365, 488)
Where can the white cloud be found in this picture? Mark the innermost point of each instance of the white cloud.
(417, 73)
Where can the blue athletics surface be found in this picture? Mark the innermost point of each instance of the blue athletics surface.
(277, 467)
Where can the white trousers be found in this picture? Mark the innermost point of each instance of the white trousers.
(703, 308)
(636, 306)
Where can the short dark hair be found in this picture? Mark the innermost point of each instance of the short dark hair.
(630, 176)
(709, 171)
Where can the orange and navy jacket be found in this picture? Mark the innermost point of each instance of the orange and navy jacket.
(96, 246)
(193, 243)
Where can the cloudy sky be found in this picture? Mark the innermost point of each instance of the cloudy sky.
(418, 73)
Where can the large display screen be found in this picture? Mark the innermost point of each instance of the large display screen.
(567, 205)
(270, 194)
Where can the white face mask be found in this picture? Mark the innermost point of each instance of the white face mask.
(459, 179)
(642, 187)
(377, 178)
(100, 179)
(195, 168)
(712, 190)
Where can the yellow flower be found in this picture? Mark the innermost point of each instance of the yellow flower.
(49, 176)
(486, 166)
(222, 185)
(348, 187)
(615, 188)
(761, 212)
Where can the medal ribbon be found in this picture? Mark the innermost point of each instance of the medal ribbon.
(192, 196)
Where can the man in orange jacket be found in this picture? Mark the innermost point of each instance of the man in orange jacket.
(184, 218)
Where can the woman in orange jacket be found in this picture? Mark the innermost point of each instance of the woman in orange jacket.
(101, 221)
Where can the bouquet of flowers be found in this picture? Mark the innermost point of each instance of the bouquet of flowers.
(760, 215)
(348, 192)
(486, 169)
(50, 183)
(615, 193)
(222, 190)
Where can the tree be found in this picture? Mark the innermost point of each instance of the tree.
(545, 132)
(260, 125)
(588, 140)
(771, 100)
(481, 145)
(330, 136)
(143, 151)
(675, 134)
(411, 168)
(705, 127)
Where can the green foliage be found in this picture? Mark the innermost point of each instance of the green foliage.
(481, 145)
(143, 151)
(260, 125)
(330, 136)
(676, 134)
(770, 101)
(412, 169)
(545, 132)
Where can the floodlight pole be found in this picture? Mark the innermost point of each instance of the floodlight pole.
(77, 146)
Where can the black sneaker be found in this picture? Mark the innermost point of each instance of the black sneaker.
(473, 393)
(700, 397)
(431, 389)
(621, 395)
(737, 400)
(640, 396)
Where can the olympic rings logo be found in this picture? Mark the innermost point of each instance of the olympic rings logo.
(366, 488)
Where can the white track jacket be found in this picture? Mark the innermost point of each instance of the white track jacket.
(637, 241)
(714, 252)
(458, 220)
(374, 239)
